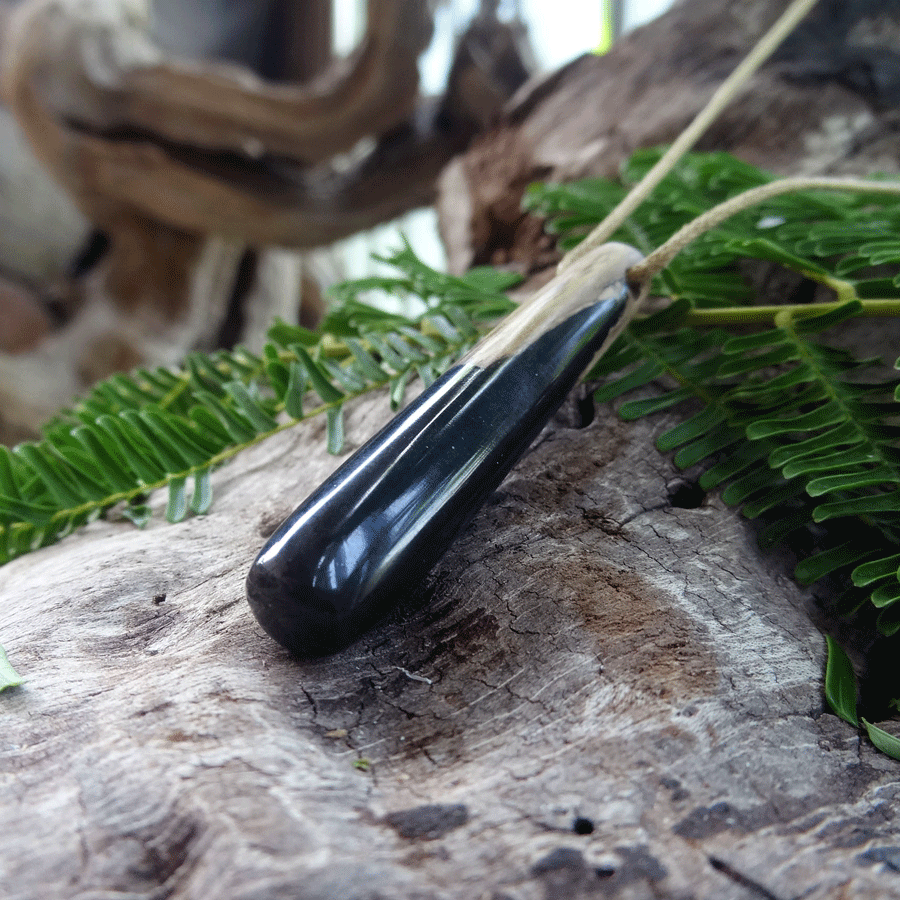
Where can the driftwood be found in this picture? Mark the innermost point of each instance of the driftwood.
(826, 103)
(603, 690)
(194, 169)
(599, 693)
(125, 128)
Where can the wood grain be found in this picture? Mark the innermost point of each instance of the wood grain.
(597, 694)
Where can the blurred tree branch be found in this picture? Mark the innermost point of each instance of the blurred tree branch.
(186, 165)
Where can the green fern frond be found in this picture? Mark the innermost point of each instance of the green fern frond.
(135, 434)
(823, 236)
(794, 415)
(803, 436)
(786, 423)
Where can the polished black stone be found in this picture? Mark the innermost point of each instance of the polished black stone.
(377, 526)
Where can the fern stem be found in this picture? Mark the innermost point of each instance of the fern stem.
(111, 500)
(664, 254)
(725, 93)
(756, 315)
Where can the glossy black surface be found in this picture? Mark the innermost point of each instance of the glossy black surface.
(377, 526)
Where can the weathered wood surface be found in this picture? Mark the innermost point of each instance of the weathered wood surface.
(598, 694)
(587, 658)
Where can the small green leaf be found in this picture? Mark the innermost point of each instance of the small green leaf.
(693, 428)
(133, 390)
(845, 434)
(160, 382)
(236, 425)
(774, 357)
(205, 375)
(797, 375)
(886, 743)
(858, 506)
(811, 323)
(492, 281)
(20, 538)
(429, 344)
(387, 353)
(210, 425)
(284, 334)
(840, 683)
(886, 594)
(250, 407)
(138, 514)
(52, 472)
(755, 341)
(35, 514)
(641, 376)
(868, 573)
(194, 444)
(177, 507)
(623, 353)
(443, 326)
(750, 454)
(712, 442)
(459, 318)
(240, 363)
(335, 418)
(774, 497)
(761, 248)
(293, 398)
(808, 463)
(752, 482)
(426, 373)
(637, 409)
(134, 447)
(348, 377)
(398, 389)
(8, 473)
(849, 481)
(319, 379)
(276, 370)
(366, 362)
(170, 458)
(100, 446)
(667, 319)
(829, 414)
(820, 564)
(9, 678)
(405, 348)
(84, 469)
(201, 498)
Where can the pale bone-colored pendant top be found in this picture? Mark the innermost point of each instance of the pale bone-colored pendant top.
(596, 276)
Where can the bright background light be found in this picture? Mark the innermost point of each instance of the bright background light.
(560, 30)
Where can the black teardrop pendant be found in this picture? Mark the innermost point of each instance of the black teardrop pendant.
(382, 520)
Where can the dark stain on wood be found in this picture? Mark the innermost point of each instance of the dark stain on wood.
(428, 822)
(566, 873)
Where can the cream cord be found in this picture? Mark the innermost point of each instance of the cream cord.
(726, 92)
(665, 253)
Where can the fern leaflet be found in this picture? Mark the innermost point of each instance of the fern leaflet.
(803, 436)
(133, 434)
